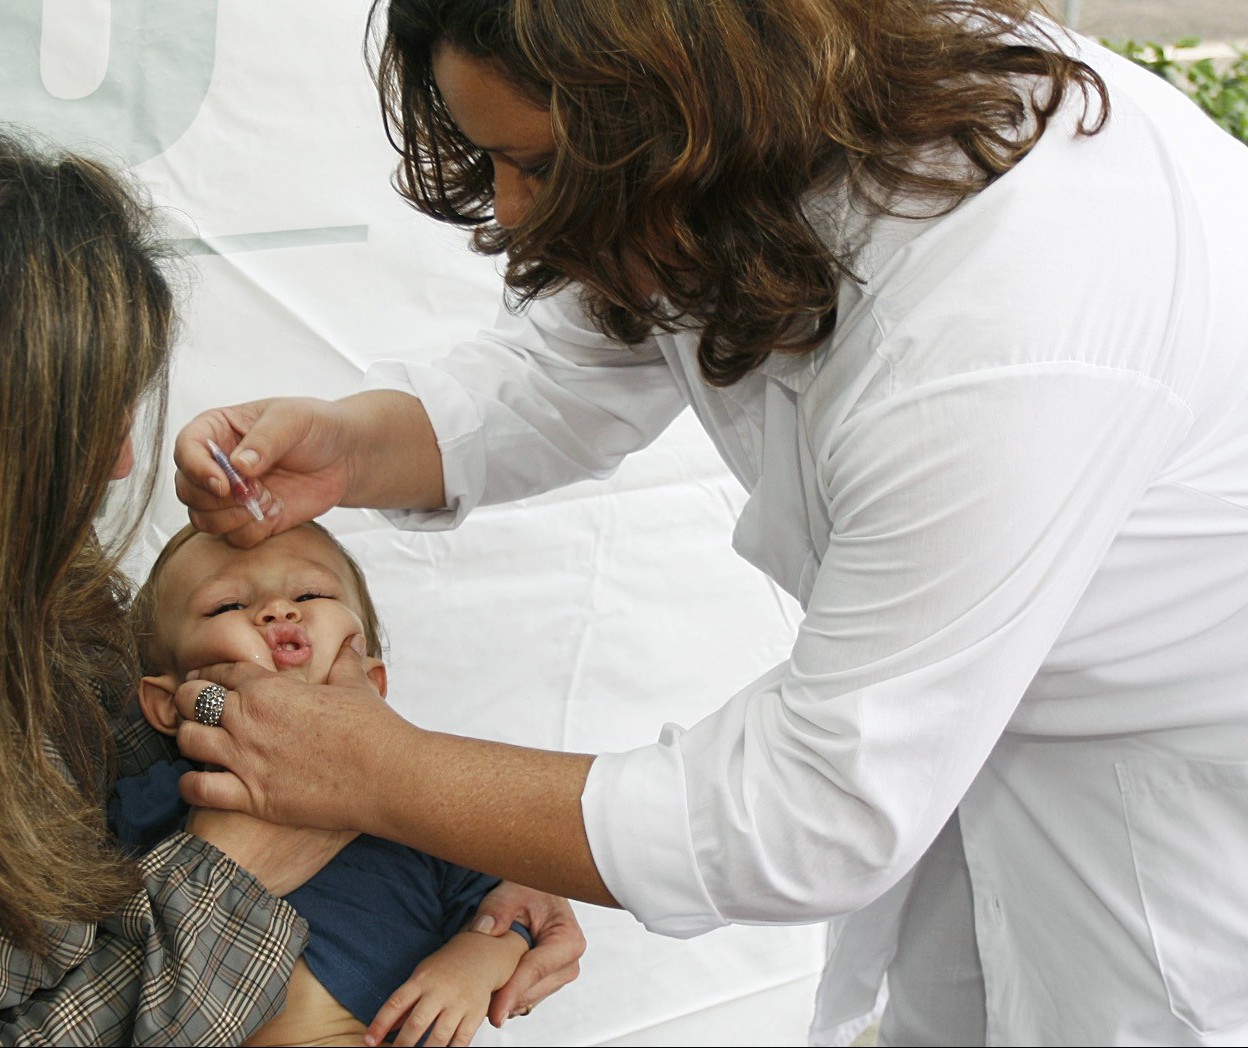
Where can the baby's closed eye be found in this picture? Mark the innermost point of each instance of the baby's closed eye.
(229, 605)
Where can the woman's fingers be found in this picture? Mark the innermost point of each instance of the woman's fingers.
(347, 670)
(213, 744)
(270, 429)
(229, 675)
(210, 745)
(289, 451)
(298, 753)
(199, 476)
(202, 484)
(536, 977)
(558, 946)
(215, 789)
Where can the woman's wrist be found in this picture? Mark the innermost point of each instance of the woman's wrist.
(495, 787)
(389, 751)
(393, 457)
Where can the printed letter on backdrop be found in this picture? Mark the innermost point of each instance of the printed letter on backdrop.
(158, 57)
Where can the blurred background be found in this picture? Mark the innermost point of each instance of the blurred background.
(1162, 21)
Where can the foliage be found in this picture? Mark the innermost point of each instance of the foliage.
(1219, 85)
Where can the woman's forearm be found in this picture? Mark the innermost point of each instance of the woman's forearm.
(337, 756)
(505, 810)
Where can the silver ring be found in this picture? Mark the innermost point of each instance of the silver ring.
(210, 704)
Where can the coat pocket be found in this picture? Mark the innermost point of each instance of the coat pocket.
(1188, 825)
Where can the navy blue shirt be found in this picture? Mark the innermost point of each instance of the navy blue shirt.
(376, 910)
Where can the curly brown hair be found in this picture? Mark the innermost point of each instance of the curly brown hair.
(86, 322)
(690, 137)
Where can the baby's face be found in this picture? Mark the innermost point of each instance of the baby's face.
(287, 605)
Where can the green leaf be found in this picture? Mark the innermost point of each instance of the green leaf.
(1219, 86)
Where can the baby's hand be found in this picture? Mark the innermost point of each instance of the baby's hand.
(449, 992)
(451, 1010)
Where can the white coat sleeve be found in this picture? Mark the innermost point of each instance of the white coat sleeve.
(539, 401)
(968, 516)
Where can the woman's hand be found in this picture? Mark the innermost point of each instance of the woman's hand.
(558, 944)
(311, 755)
(330, 755)
(279, 857)
(293, 451)
(304, 456)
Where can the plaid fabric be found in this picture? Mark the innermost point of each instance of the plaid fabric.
(139, 745)
(200, 955)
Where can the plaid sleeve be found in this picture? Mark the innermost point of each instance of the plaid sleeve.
(201, 955)
(138, 744)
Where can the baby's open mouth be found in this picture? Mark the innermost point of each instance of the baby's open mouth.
(289, 644)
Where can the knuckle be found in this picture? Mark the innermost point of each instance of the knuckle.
(417, 1023)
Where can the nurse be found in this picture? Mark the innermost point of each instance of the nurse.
(959, 299)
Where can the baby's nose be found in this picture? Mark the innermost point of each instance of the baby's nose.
(279, 610)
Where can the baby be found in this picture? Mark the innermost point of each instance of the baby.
(381, 915)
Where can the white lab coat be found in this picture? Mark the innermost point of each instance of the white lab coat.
(1011, 495)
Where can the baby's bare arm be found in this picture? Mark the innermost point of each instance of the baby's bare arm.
(449, 992)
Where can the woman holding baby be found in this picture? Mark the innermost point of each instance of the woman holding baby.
(190, 942)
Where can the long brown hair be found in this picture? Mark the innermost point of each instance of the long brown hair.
(690, 136)
(86, 321)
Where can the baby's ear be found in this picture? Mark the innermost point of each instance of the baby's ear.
(376, 670)
(156, 702)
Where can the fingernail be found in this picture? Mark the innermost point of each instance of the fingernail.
(357, 644)
(217, 487)
(249, 458)
(484, 923)
(275, 509)
(193, 675)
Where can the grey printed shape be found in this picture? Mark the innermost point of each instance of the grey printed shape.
(269, 240)
(161, 55)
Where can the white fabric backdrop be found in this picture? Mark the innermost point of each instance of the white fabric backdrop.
(582, 620)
